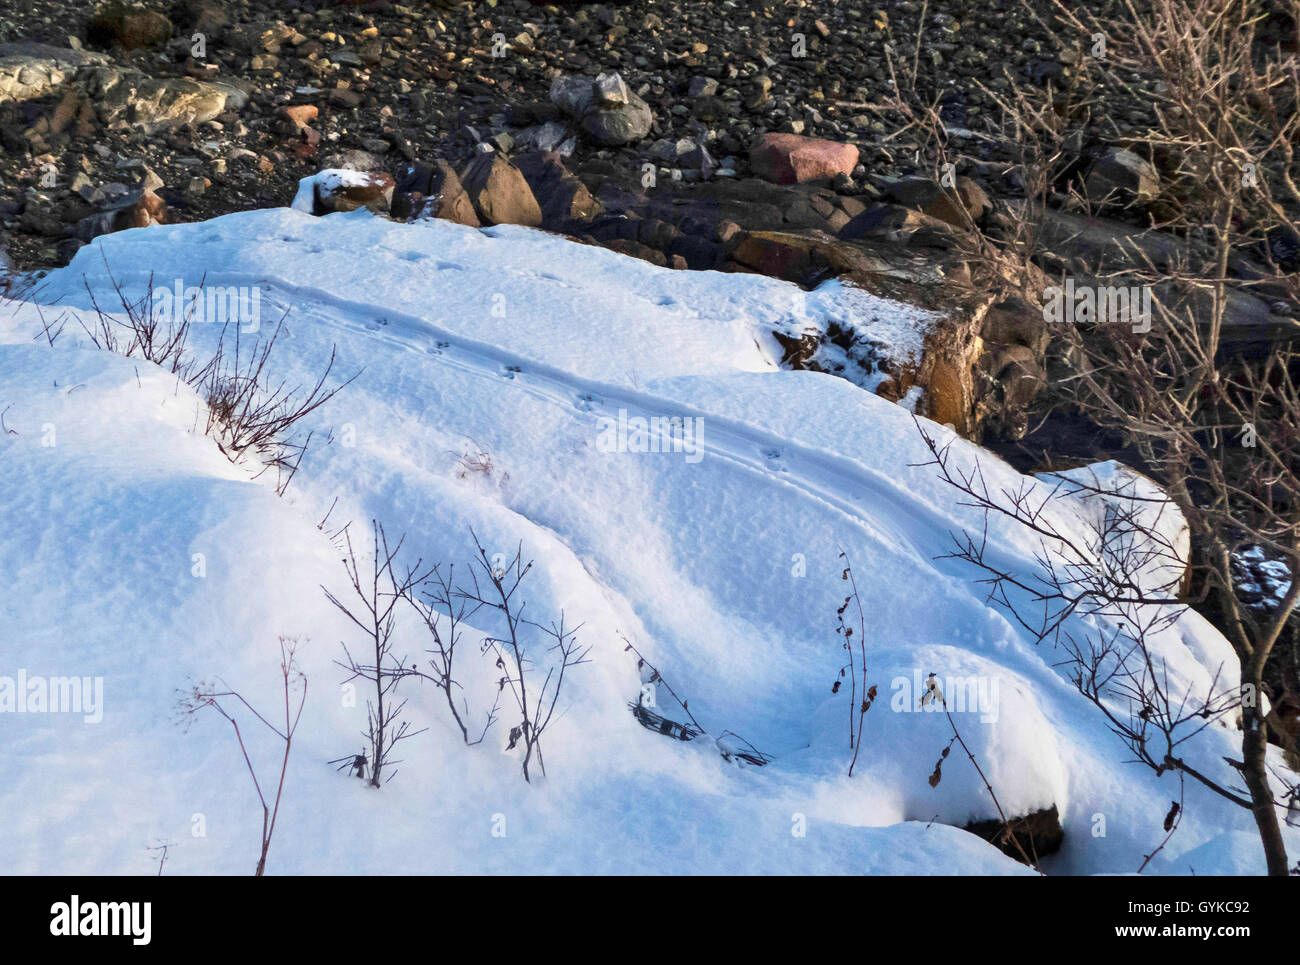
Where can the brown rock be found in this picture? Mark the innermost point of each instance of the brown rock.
(140, 209)
(127, 25)
(790, 158)
(776, 254)
(453, 202)
(372, 190)
(894, 222)
(342, 97)
(434, 192)
(957, 206)
(947, 397)
(974, 197)
(300, 115)
(561, 195)
(725, 231)
(499, 192)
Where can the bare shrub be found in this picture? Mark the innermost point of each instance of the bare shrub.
(477, 461)
(248, 413)
(857, 708)
(443, 610)
(143, 332)
(496, 587)
(1116, 574)
(377, 590)
(222, 700)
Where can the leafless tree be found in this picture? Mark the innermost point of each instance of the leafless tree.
(1218, 428)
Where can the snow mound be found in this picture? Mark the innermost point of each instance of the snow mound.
(529, 388)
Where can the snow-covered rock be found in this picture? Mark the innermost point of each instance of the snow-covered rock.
(135, 552)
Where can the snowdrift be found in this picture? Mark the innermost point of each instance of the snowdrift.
(503, 374)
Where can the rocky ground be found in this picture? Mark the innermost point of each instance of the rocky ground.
(406, 82)
(733, 134)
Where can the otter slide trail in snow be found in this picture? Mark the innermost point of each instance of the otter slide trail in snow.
(137, 555)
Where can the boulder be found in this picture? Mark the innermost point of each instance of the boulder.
(550, 136)
(606, 109)
(562, 196)
(572, 95)
(499, 192)
(788, 256)
(29, 70)
(1099, 245)
(337, 189)
(896, 223)
(128, 98)
(612, 127)
(982, 358)
(958, 206)
(1249, 328)
(118, 23)
(433, 191)
(792, 158)
(1119, 176)
(139, 209)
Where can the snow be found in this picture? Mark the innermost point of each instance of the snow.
(324, 183)
(859, 334)
(1263, 582)
(137, 553)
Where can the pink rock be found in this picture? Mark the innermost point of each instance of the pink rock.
(790, 158)
(301, 115)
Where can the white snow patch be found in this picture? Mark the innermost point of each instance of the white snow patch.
(725, 572)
